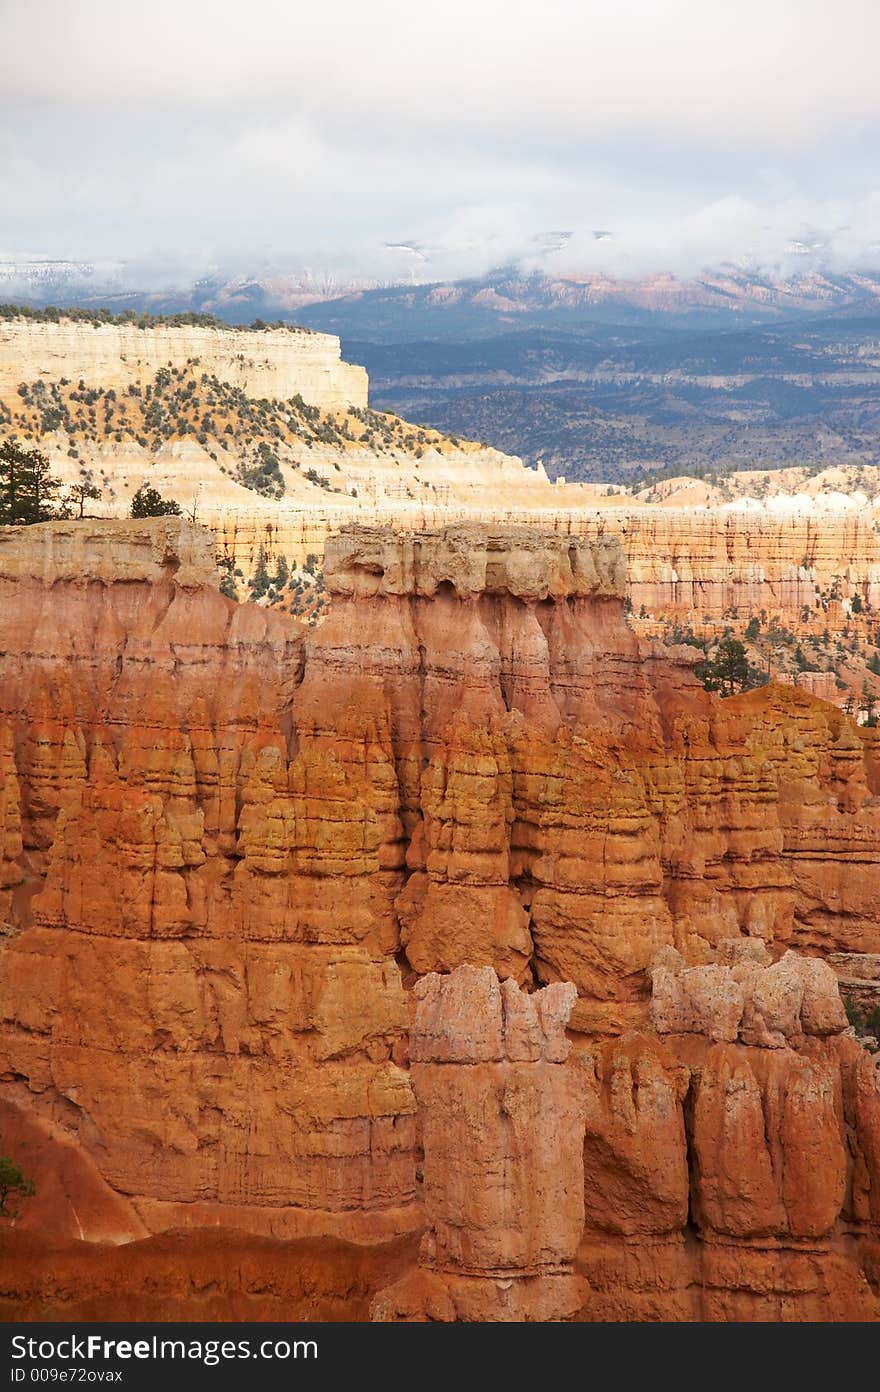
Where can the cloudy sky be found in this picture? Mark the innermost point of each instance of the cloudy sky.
(383, 138)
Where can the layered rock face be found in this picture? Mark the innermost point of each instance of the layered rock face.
(213, 1059)
(726, 1181)
(228, 846)
(686, 563)
(265, 363)
(570, 801)
(503, 1136)
(716, 1179)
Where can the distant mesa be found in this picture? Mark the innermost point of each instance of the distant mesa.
(117, 354)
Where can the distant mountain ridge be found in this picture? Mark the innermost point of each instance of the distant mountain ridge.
(512, 299)
(504, 299)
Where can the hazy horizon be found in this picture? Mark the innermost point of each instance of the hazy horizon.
(394, 142)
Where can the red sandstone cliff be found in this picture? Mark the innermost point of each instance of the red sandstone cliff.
(221, 837)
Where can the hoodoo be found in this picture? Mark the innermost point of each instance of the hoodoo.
(230, 848)
(503, 1137)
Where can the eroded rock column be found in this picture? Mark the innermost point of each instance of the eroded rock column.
(503, 1132)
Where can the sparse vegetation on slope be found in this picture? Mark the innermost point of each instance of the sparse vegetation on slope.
(866, 1023)
(51, 314)
(835, 651)
(181, 403)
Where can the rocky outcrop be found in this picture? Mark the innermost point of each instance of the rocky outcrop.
(747, 996)
(750, 1125)
(265, 363)
(502, 1131)
(502, 562)
(228, 846)
(726, 1181)
(103, 553)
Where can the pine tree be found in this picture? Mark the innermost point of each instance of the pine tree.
(228, 587)
(27, 486)
(44, 487)
(729, 670)
(12, 484)
(262, 580)
(148, 502)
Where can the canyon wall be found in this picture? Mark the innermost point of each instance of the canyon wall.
(263, 363)
(228, 847)
(213, 1059)
(685, 563)
(802, 589)
(694, 566)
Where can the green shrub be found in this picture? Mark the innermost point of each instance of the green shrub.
(148, 502)
(12, 1182)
